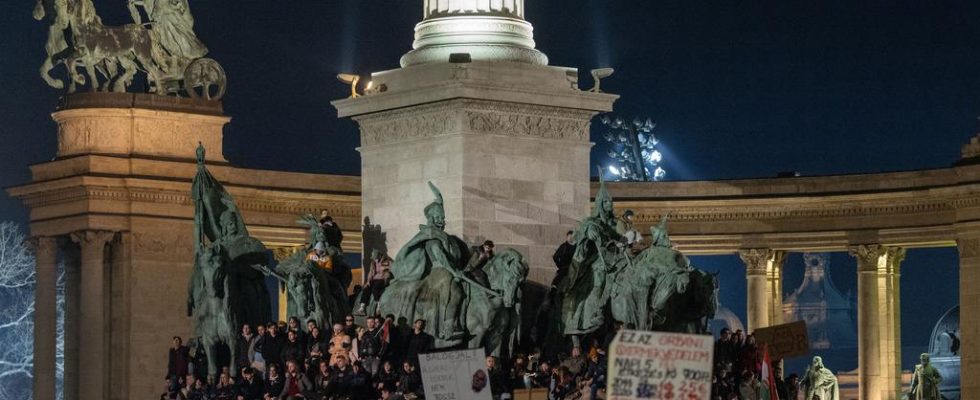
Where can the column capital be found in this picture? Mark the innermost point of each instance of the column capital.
(92, 237)
(867, 255)
(45, 244)
(895, 256)
(757, 260)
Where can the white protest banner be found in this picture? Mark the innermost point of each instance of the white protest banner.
(455, 375)
(660, 365)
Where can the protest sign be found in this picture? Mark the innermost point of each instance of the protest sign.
(455, 375)
(660, 365)
(786, 340)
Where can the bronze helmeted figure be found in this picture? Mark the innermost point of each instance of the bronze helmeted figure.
(162, 45)
(429, 284)
(316, 279)
(610, 277)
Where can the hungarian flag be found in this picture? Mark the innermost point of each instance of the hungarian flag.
(768, 377)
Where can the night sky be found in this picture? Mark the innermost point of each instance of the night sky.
(739, 89)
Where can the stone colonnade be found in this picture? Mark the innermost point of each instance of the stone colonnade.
(968, 242)
(879, 310)
(88, 310)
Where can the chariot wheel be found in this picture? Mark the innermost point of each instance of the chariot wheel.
(205, 79)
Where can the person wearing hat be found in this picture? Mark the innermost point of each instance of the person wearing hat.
(624, 227)
(320, 257)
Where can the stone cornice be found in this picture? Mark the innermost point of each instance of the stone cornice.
(275, 201)
(906, 209)
(495, 81)
(469, 116)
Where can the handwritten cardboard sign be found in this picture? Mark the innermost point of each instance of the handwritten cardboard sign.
(455, 375)
(785, 341)
(660, 365)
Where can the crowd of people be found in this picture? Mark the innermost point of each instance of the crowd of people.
(375, 361)
(380, 360)
(738, 370)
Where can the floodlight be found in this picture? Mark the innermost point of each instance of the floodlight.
(598, 75)
(350, 79)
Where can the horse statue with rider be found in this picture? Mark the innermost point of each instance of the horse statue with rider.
(225, 290)
(316, 277)
(470, 297)
(160, 43)
(613, 280)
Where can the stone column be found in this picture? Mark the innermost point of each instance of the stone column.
(763, 270)
(120, 315)
(45, 315)
(774, 287)
(879, 336)
(969, 249)
(93, 334)
(891, 324)
(869, 368)
(73, 277)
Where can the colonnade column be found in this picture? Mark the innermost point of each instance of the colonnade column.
(45, 315)
(763, 271)
(73, 279)
(774, 286)
(879, 321)
(969, 248)
(94, 321)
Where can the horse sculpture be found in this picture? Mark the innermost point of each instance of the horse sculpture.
(314, 292)
(164, 48)
(430, 284)
(214, 324)
(498, 329)
(100, 44)
(691, 310)
(654, 288)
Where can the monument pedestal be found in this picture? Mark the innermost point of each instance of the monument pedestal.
(507, 143)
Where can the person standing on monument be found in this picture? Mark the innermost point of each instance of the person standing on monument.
(418, 342)
(272, 345)
(624, 227)
(246, 347)
(925, 381)
(332, 231)
(474, 268)
(178, 360)
(340, 344)
(319, 256)
(376, 280)
(563, 257)
(293, 350)
(369, 346)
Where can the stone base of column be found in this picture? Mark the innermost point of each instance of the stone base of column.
(506, 143)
